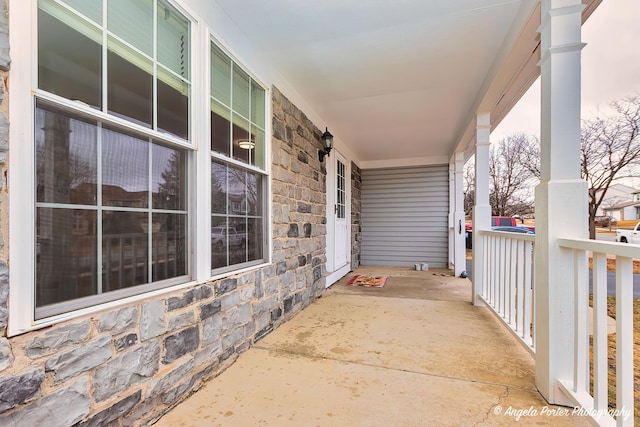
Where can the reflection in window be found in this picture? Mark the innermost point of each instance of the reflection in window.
(237, 111)
(145, 85)
(169, 178)
(130, 85)
(220, 129)
(132, 232)
(125, 250)
(125, 170)
(169, 245)
(237, 194)
(237, 222)
(66, 158)
(69, 58)
(66, 255)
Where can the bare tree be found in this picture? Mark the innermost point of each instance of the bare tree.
(509, 181)
(610, 151)
(469, 183)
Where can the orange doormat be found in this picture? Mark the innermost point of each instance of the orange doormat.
(369, 281)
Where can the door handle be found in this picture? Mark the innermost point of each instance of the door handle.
(459, 226)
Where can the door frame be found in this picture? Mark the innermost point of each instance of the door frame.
(335, 273)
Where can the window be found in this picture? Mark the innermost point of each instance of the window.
(112, 118)
(238, 179)
(126, 66)
(341, 207)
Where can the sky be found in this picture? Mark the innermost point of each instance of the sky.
(610, 68)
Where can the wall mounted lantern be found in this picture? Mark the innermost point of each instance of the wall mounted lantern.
(327, 144)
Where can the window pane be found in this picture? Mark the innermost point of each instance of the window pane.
(220, 76)
(237, 240)
(219, 242)
(173, 107)
(173, 40)
(254, 194)
(66, 157)
(255, 244)
(218, 188)
(132, 20)
(130, 84)
(169, 180)
(69, 57)
(66, 255)
(240, 134)
(125, 244)
(125, 170)
(257, 154)
(90, 8)
(257, 104)
(169, 246)
(240, 91)
(237, 191)
(220, 128)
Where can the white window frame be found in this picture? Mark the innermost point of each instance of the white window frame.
(23, 88)
(265, 172)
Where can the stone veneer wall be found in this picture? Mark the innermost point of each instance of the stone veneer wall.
(129, 365)
(356, 206)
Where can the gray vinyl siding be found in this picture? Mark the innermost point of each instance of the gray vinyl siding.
(405, 216)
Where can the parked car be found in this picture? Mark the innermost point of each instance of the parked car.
(505, 228)
(511, 229)
(628, 235)
(219, 237)
(503, 221)
(496, 221)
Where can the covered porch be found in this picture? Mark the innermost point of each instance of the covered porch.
(414, 352)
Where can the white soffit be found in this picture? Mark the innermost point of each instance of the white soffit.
(393, 79)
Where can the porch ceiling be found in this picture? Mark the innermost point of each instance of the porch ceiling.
(393, 80)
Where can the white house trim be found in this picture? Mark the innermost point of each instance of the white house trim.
(481, 208)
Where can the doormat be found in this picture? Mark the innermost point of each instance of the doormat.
(369, 281)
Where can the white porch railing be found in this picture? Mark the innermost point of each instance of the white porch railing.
(508, 283)
(508, 287)
(595, 398)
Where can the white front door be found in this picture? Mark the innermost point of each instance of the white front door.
(338, 218)
(340, 212)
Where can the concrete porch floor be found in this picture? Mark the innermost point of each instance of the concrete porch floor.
(413, 353)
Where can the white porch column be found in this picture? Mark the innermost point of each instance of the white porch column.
(481, 208)
(452, 209)
(561, 197)
(459, 251)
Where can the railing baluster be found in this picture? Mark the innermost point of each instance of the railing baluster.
(500, 272)
(581, 348)
(624, 339)
(520, 291)
(513, 267)
(600, 347)
(528, 294)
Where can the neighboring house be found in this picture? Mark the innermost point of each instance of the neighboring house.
(623, 211)
(616, 195)
(626, 210)
(137, 128)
